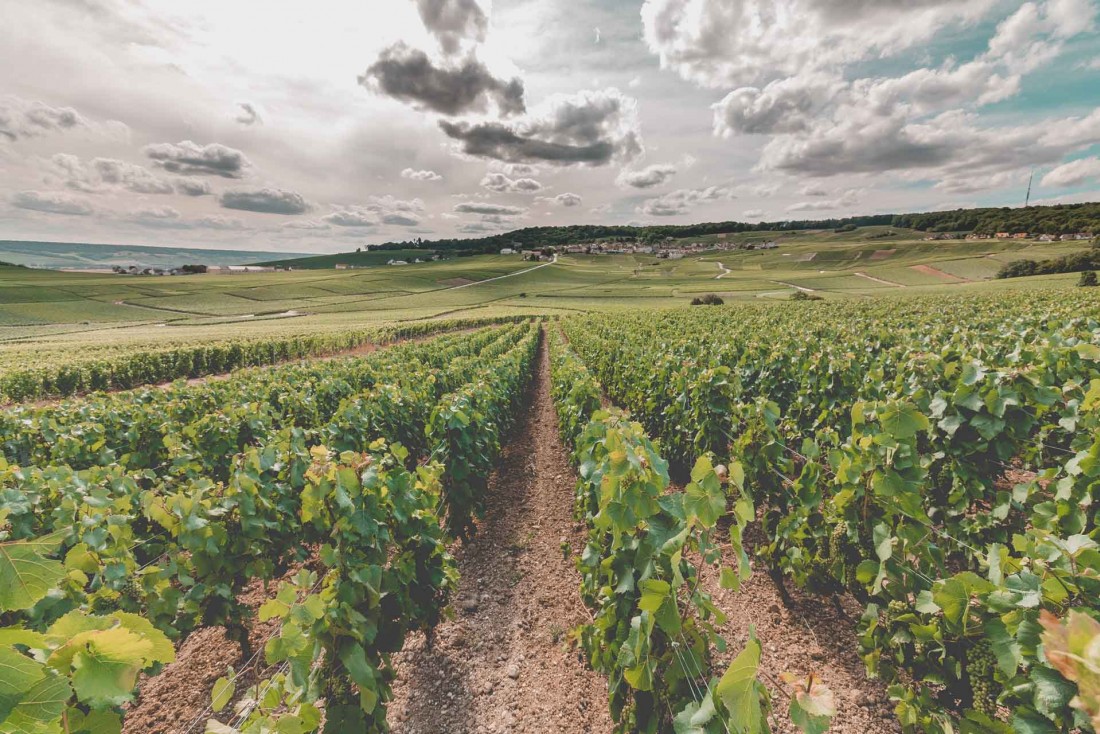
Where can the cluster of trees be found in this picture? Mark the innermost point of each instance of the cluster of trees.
(1059, 219)
(1078, 262)
(533, 238)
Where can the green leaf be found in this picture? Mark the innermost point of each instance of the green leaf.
(738, 690)
(106, 670)
(162, 650)
(39, 709)
(953, 598)
(20, 674)
(902, 420)
(1004, 647)
(26, 575)
(694, 718)
(222, 693)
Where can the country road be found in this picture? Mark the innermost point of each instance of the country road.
(499, 277)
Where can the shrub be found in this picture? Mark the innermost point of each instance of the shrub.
(1075, 263)
(709, 299)
(804, 296)
(1087, 280)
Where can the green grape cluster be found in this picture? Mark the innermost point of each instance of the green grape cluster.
(133, 589)
(106, 603)
(339, 690)
(836, 541)
(980, 665)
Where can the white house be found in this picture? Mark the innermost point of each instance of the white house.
(507, 251)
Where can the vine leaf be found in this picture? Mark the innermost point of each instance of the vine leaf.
(1073, 648)
(813, 705)
(903, 420)
(738, 690)
(38, 709)
(26, 574)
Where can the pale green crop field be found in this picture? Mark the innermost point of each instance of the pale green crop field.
(46, 313)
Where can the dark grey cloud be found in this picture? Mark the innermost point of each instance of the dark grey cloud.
(192, 187)
(190, 158)
(495, 140)
(20, 118)
(454, 21)
(265, 201)
(409, 75)
(501, 184)
(591, 128)
(647, 177)
(249, 115)
(52, 202)
(470, 207)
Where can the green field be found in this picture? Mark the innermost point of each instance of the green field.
(45, 312)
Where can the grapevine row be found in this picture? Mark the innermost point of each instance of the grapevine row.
(880, 456)
(205, 537)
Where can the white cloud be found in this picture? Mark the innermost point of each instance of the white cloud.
(415, 175)
(646, 178)
(161, 216)
(52, 202)
(21, 118)
(845, 201)
(501, 184)
(739, 43)
(563, 200)
(489, 209)
(1073, 173)
(376, 211)
(682, 201)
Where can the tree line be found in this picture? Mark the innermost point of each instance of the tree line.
(1053, 220)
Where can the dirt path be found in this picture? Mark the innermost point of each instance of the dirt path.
(810, 636)
(502, 664)
(936, 272)
(796, 287)
(883, 281)
(177, 700)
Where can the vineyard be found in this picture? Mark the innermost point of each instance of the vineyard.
(926, 471)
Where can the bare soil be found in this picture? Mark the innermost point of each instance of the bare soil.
(936, 272)
(503, 663)
(177, 700)
(809, 636)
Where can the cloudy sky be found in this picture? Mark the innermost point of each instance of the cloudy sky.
(330, 124)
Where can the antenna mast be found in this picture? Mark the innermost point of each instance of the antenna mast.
(1028, 199)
